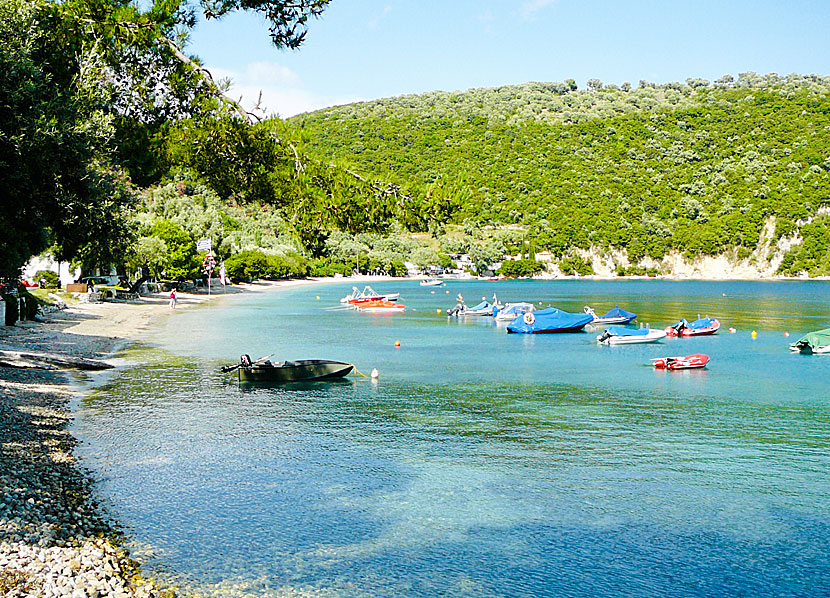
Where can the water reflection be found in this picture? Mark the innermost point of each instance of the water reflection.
(479, 464)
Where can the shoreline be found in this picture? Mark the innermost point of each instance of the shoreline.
(54, 538)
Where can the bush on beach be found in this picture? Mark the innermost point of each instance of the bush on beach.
(254, 265)
(49, 278)
(517, 268)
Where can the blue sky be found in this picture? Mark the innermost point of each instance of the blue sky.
(369, 49)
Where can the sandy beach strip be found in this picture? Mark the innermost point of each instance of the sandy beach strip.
(55, 540)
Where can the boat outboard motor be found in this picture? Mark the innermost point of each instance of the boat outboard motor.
(604, 336)
(680, 325)
(804, 347)
(245, 360)
(454, 311)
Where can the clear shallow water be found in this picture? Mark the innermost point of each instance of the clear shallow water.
(481, 464)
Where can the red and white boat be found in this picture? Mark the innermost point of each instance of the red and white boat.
(367, 294)
(688, 362)
(700, 327)
(380, 305)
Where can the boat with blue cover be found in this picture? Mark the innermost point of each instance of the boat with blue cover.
(510, 311)
(548, 321)
(617, 335)
(614, 316)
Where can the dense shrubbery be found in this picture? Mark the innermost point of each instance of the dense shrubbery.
(48, 277)
(636, 271)
(695, 167)
(517, 268)
(813, 255)
(253, 264)
(575, 264)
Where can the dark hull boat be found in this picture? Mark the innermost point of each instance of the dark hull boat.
(284, 372)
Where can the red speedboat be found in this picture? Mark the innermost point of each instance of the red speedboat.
(699, 327)
(688, 362)
(380, 305)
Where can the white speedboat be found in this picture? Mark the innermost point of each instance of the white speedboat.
(616, 335)
(433, 282)
(614, 316)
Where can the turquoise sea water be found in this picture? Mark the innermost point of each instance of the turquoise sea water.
(481, 463)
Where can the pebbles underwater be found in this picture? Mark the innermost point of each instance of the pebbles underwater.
(55, 541)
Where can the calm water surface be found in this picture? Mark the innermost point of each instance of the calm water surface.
(481, 463)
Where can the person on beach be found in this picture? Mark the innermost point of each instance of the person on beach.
(173, 299)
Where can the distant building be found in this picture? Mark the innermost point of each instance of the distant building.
(463, 263)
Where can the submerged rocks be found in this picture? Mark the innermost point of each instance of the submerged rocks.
(55, 541)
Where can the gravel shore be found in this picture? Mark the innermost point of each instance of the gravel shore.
(54, 539)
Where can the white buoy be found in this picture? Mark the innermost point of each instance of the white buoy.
(375, 374)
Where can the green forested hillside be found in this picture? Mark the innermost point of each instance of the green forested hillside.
(696, 167)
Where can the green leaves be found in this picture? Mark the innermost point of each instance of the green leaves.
(693, 167)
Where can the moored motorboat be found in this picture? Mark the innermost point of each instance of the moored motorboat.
(367, 294)
(616, 335)
(687, 362)
(700, 327)
(283, 372)
(510, 311)
(485, 308)
(432, 282)
(380, 305)
(617, 315)
(817, 343)
(548, 321)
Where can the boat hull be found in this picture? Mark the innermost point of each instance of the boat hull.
(549, 330)
(692, 331)
(808, 350)
(381, 306)
(652, 337)
(305, 370)
(687, 362)
(615, 321)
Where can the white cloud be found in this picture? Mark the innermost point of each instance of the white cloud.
(270, 73)
(531, 7)
(282, 91)
(375, 21)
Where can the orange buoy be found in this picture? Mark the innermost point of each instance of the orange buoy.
(397, 343)
(786, 334)
(732, 330)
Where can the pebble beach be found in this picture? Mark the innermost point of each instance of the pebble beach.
(55, 540)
